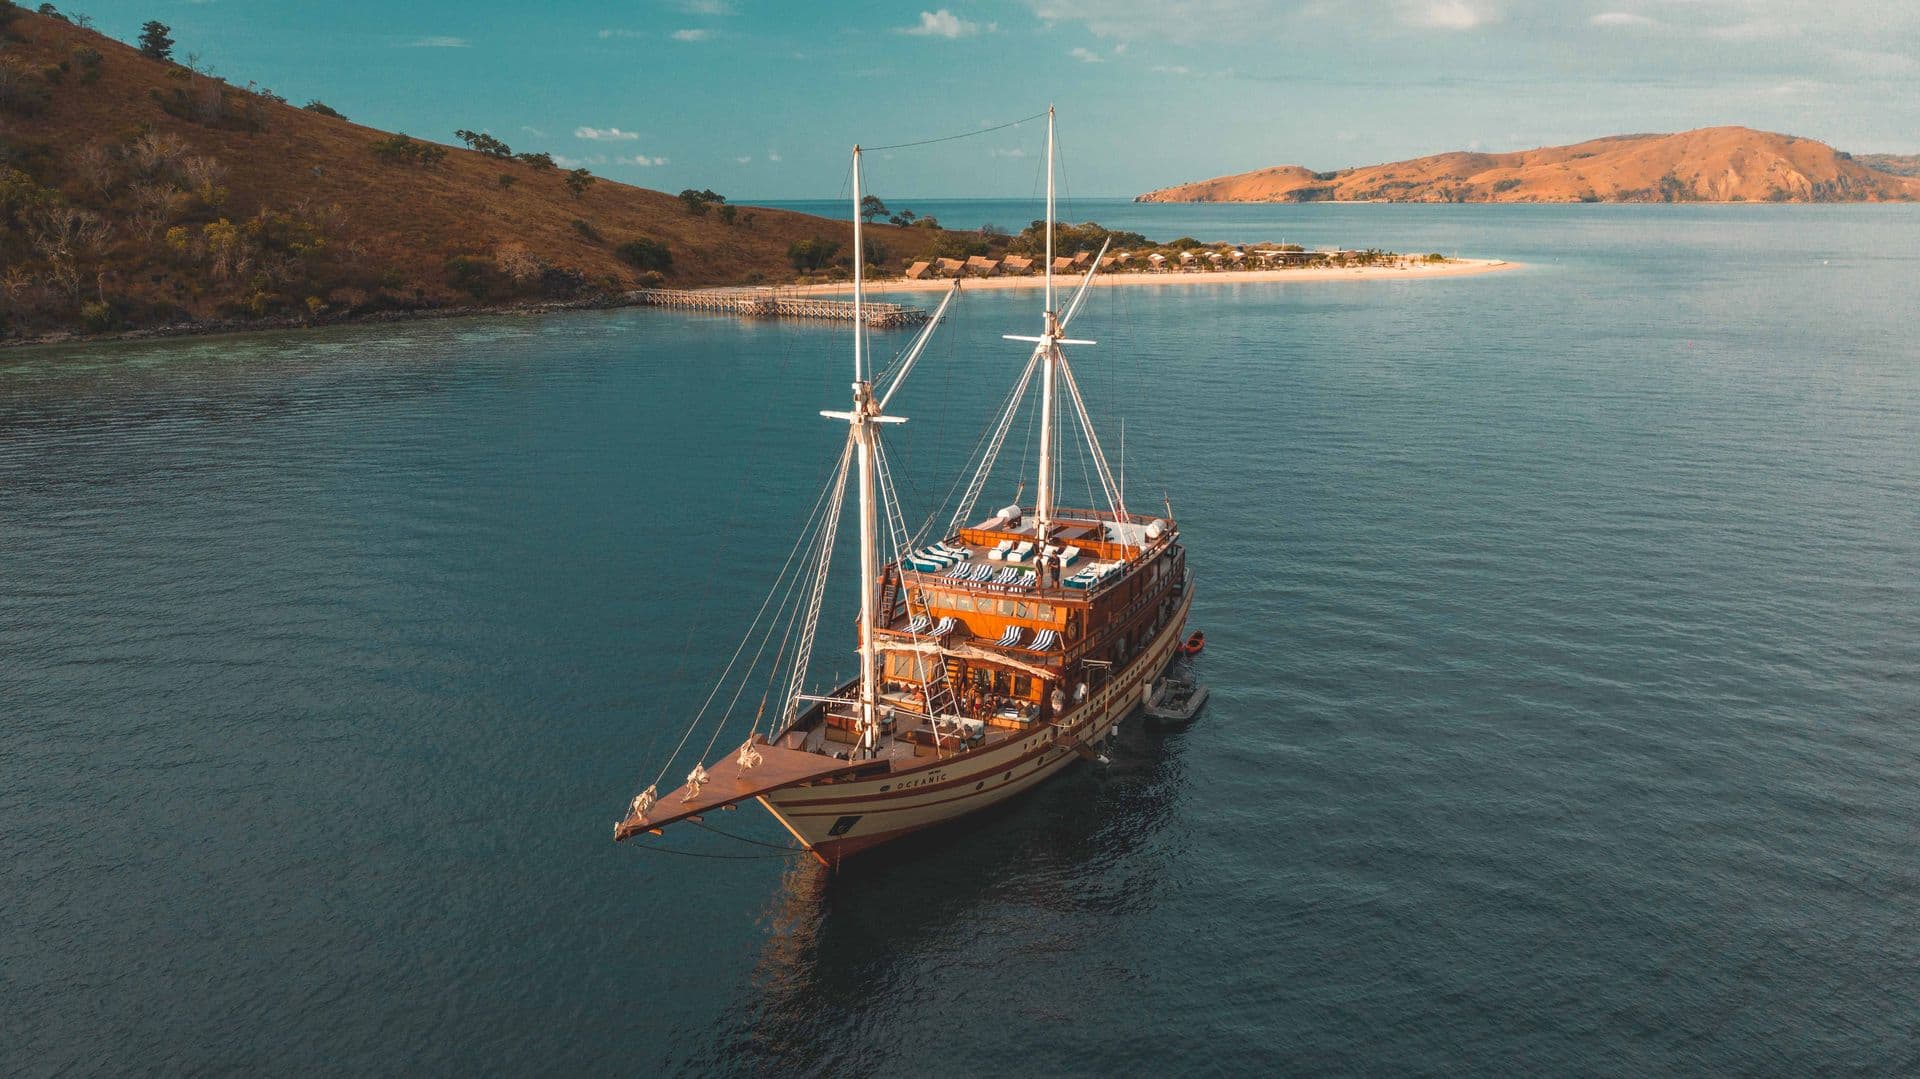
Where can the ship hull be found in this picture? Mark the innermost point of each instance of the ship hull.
(841, 819)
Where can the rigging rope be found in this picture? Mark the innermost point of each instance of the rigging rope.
(752, 628)
(962, 135)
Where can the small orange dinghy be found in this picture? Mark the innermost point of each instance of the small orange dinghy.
(1194, 644)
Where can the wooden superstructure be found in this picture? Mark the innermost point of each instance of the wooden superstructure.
(989, 659)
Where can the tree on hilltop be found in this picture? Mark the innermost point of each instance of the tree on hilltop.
(485, 143)
(156, 41)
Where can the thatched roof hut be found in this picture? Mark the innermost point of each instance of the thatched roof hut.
(919, 271)
(982, 266)
(1016, 264)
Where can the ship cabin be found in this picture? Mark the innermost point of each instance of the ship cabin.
(992, 633)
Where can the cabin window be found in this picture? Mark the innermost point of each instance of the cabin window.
(1021, 610)
(1043, 611)
(1001, 684)
(1022, 685)
(962, 603)
(982, 680)
(1006, 606)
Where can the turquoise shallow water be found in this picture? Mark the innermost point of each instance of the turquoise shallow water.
(1564, 636)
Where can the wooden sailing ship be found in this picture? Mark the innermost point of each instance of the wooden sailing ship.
(990, 659)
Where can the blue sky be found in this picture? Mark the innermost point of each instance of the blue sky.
(762, 99)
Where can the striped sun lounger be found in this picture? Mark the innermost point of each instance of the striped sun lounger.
(944, 626)
(981, 572)
(1011, 638)
(1045, 640)
(919, 624)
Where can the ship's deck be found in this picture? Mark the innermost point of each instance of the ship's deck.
(996, 559)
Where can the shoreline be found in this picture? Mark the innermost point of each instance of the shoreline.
(886, 286)
(1410, 271)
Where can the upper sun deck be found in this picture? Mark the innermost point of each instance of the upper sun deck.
(1084, 553)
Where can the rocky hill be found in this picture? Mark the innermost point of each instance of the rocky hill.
(136, 192)
(1714, 164)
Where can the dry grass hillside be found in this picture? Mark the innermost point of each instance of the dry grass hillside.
(135, 192)
(1714, 164)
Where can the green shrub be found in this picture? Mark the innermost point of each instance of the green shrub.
(645, 254)
(507, 179)
(474, 275)
(22, 92)
(538, 161)
(97, 317)
(323, 109)
(578, 180)
(697, 202)
(812, 254)
(88, 61)
(585, 229)
(401, 150)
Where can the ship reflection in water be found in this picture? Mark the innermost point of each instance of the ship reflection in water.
(936, 925)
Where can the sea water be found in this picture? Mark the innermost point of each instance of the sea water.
(1564, 641)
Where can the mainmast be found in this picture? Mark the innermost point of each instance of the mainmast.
(1050, 351)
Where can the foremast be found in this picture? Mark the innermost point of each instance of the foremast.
(863, 423)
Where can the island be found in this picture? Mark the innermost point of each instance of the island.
(1713, 164)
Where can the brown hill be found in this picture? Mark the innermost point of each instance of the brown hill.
(135, 192)
(1714, 164)
(1897, 164)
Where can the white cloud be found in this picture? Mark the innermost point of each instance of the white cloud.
(566, 162)
(612, 134)
(1753, 30)
(438, 43)
(613, 33)
(1013, 151)
(1447, 14)
(692, 35)
(743, 159)
(942, 23)
(641, 160)
(1084, 55)
(1871, 62)
(773, 155)
(706, 7)
(1172, 69)
(1620, 18)
(534, 131)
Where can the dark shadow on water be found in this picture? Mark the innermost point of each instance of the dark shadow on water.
(897, 917)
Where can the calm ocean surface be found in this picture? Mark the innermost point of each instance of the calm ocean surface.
(1564, 637)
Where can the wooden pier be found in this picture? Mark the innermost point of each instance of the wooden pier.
(776, 303)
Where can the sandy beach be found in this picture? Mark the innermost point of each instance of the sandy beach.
(1449, 268)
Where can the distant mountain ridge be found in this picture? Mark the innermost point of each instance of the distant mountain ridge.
(1712, 164)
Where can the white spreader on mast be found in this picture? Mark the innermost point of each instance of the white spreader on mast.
(862, 421)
